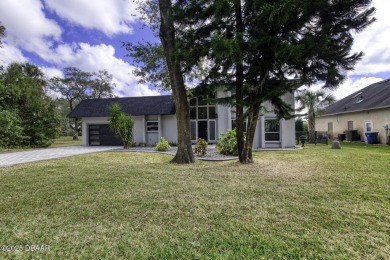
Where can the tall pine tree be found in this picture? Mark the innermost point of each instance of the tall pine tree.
(262, 49)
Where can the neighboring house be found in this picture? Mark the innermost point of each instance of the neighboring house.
(154, 117)
(367, 110)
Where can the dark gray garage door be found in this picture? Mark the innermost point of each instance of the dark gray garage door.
(102, 135)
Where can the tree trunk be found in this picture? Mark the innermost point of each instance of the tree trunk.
(75, 130)
(184, 152)
(250, 134)
(239, 84)
(312, 126)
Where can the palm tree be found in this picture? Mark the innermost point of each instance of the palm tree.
(314, 102)
(2, 33)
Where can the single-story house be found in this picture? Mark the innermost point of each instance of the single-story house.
(365, 111)
(154, 117)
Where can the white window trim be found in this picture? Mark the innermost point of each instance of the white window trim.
(280, 131)
(196, 129)
(365, 126)
(215, 130)
(152, 121)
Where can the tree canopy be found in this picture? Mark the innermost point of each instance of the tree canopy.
(121, 124)
(262, 49)
(313, 102)
(28, 115)
(77, 85)
(2, 34)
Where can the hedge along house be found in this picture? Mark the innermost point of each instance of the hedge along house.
(154, 117)
(365, 111)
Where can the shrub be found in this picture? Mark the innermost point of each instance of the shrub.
(121, 124)
(172, 143)
(11, 133)
(163, 145)
(142, 144)
(201, 147)
(227, 143)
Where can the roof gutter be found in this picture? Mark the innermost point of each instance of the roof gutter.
(353, 111)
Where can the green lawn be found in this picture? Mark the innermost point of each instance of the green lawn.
(311, 203)
(65, 141)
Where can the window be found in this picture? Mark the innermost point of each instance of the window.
(350, 125)
(212, 113)
(193, 130)
(212, 130)
(202, 101)
(202, 112)
(152, 126)
(272, 130)
(193, 113)
(200, 109)
(368, 126)
(193, 102)
(330, 127)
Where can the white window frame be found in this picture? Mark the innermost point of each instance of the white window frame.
(154, 122)
(196, 129)
(350, 125)
(365, 126)
(280, 131)
(215, 130)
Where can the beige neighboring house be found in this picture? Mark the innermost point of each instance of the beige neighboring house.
(365, 111)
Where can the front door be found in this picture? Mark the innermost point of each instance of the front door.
(202, 130)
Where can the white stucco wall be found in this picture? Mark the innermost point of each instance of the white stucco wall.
(169, 128)
(139, 129)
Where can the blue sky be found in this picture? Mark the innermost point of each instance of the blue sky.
(54, 34)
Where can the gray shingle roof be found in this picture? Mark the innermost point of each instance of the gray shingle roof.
(136, 106)
(374, 96)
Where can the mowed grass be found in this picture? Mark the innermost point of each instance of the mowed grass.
(311, 203)
(63, 141)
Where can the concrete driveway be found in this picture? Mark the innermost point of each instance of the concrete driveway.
(13, 158)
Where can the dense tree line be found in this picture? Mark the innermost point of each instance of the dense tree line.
(28, 116)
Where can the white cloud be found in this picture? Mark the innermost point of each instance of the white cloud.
(51, 72)
(93, 58)
(110, 17)
(352, 85)
(27, 27)
(10, 54)
(373, 41)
